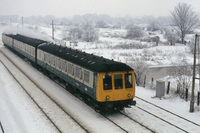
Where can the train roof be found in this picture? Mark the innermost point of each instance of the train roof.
(31, 41)
(90, 61)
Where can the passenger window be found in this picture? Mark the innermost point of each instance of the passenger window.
(128, 81)
(118, 81)
(58, 63)
(47, 58)
(71, 69)
(86, 76)
(78, 72)
(64, 66)
(107, 82)
(53, 60)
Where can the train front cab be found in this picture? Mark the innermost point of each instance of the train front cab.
(116, 89)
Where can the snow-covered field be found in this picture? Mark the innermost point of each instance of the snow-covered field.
(109, 44)
(18, 115)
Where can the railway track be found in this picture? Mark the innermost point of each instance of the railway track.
(172, 126)
(52, 113)
(127, 128)
(131, 125)
(168, 111)
(169, 117)
(163, 119)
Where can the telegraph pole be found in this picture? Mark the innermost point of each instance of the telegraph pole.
(193, 78)
(52, 30)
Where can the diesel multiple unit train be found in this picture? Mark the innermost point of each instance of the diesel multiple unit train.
(106, 83)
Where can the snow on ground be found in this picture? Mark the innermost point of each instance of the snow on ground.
(18, 113)
(170, 102)
(154, 56)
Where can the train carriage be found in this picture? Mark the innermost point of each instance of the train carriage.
(26, 46)
(7, 40)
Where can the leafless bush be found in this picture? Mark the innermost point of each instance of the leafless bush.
(75, 33)
(182, 74)
(171, 36)
(134, 32)
(89, 33)
(86, 32)
(140, 69)
(133, 45)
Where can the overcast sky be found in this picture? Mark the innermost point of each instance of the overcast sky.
(115, 8)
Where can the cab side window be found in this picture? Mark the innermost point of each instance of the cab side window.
(107, 82)
(128, 81)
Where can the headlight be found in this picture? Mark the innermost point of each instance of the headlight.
(107, 97)
(129, 95)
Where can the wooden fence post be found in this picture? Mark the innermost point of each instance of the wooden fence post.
(168, 87)
(1, 127)
(144, 81)
(151, 82)
(178, 88)
(186, 94)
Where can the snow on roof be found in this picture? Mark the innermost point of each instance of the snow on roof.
(27, 32)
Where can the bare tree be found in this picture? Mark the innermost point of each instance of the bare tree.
(154, 26)
(184, 19)
(89, 33)
(75, 33)
(86, 32)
